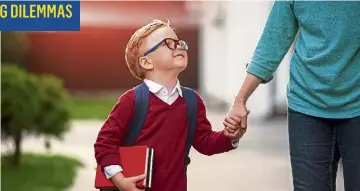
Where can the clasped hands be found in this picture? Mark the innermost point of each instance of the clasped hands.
(236, 122)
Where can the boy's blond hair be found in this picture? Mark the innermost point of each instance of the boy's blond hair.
(132, 50)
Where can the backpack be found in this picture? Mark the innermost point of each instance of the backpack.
(140, 112)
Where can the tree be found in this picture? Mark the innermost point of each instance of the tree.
(19, 106)
(54, 111)
(31, 105)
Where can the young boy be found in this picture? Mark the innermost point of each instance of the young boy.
(155, 55)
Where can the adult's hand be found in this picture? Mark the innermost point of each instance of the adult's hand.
(239, 111)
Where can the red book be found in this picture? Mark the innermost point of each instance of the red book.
(134, 160)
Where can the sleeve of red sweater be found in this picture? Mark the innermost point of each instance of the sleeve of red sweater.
(112, 132)
(207, 141)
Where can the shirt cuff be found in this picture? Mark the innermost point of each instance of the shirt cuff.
(111, 170)
(235, 144)
(259, 72)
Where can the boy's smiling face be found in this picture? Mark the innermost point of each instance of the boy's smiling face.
(163, 58)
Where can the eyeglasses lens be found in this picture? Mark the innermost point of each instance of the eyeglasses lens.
(172, 44)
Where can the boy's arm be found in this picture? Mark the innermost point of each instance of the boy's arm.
(112, 133)
(207, 141)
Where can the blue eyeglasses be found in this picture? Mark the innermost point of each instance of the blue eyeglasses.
(170, 43)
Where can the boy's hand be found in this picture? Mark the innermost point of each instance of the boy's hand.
(233, 128)
(127, 184)
(240, 111)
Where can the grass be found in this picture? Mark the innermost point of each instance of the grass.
(38, 173)
(91, 107)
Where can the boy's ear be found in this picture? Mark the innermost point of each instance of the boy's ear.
(145, 63)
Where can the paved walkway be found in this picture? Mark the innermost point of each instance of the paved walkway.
(261, 163)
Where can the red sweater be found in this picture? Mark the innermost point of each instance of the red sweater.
(165, 129)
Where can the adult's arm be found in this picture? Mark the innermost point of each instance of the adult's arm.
(278, 35)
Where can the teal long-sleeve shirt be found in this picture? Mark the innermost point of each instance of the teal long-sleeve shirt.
(325, 65)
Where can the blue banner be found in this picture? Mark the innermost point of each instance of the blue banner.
(40, 15)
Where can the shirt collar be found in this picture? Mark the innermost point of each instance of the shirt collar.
(155, 87)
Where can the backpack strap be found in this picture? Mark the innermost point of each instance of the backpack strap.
(191, 111)
(140, 111)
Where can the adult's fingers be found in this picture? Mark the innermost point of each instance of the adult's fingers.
(231, 128)
(233, 120)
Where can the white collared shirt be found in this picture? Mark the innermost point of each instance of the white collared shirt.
(162, 93)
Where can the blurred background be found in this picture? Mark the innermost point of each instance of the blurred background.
(58, 88)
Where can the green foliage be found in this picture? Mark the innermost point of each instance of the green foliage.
(38, 173)
(54, 107)
(31, 104)
(83, 107)
(19, 100)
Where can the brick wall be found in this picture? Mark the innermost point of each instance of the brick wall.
(93, 59)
